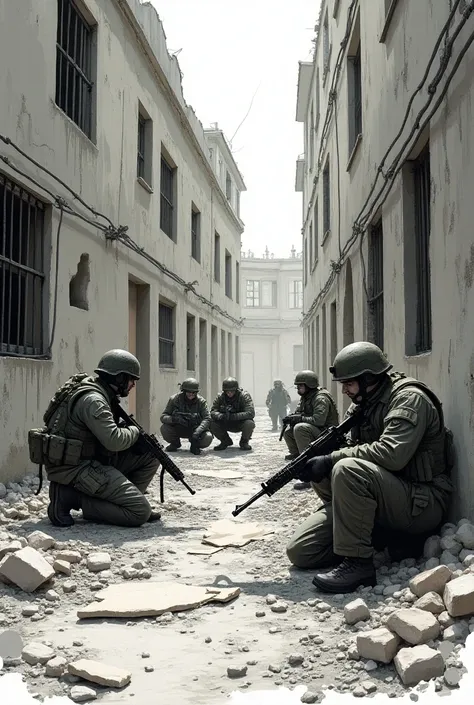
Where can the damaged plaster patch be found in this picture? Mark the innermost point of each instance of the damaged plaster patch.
(469, 268)
(79, 284)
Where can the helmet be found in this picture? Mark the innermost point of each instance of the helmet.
(357, 359)
(116, 362)
(190, 385)
(277, 383)
(307, 377)
(230, 384)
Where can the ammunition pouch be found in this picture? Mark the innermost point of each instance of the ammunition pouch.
(48, 449)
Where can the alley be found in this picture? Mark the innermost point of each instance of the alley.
(278, 631)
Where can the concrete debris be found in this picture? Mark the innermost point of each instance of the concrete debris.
(82, 694)
(433, 580)
(431, 602)
(414, 626)
(418, 663)
(9, 547)
(378, 645)
(63, 567)
(465, 534)
(100, 673)
(38, 539)
(55, 667)
(26, 568)
(236, 671)
(35, 652)
(356, 611)
(69, 556)
(459, 595)
(97, 562)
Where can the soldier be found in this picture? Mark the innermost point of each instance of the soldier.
(394, 472)
(277, 403)
(92, 463)
(315, 412)
(187, 416)
(233, 411)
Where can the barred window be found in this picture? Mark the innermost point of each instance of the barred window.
(74, 65)
(195, 233)
(375, 301)
(22, 275)
(166, 335)
(167, 189)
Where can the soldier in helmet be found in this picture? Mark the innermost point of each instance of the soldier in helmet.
(315, 412)
(233, 411)
(93, 463)
(393, 475)
(187, 416)
(277, 403)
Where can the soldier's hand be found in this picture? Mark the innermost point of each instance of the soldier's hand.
(220, 417)
(195, 436)
(316, 469)
(286, 421)
(293, 419)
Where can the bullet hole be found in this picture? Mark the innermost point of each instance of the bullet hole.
(79, 284)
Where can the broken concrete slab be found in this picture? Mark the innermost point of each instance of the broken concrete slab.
(152, 599)
(459, 596)
(413, 625)
(97, 562)
(35, 652)
(69, 556)
(356, 611)
(378, 645)
(431, 602)
(100, 673)
(418, 663)
(433, 580)
(9, 547)
(226, 532)
(55, 667)
(38, 539)
(82, 694)
(217, 474)
(62, 567)
(26, 568)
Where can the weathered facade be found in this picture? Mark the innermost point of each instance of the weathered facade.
(386, 177)
(91, 94)
(272, 337)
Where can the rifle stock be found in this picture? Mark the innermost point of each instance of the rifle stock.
(155, 448)
(328, 441)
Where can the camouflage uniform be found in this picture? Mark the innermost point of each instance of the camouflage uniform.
(277, 402)
(184, 417)
(232, 414)
(318, 411)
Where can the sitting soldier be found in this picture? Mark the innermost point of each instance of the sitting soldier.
(315, 412)
(233, 411)
(186, 416)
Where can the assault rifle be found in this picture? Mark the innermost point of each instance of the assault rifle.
(153, 446)
(284, 426)
(329, 440)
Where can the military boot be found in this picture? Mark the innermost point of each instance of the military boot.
(173, 447)
(62, 498)
(195, 449)
(291, 456)
(154, 516)
(224, 444)
(347, 576)
(244, 444)
(302, 485)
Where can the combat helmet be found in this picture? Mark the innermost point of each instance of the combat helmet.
(358, 359)
(190, 385)
(230, 384)
(308, 378)
(116, 362)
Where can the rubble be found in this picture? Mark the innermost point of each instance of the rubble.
(413, 625)
(63, 567)
(459, 596)
(26, 568)
(378, 645)
(431, 602)
(98, 562)
(56, 667)
(35, 652)
(433, 580)
(38, 539)
(356, 611)
(82, 694)
(418, 663)
(100, 673)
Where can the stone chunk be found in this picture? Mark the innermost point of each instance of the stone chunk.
(356, 611)
(378, 645)
(236, 671)
(56, 667)
(459, 595)
(35, 652)
(62, 567)
(26, 568)
(38, 539)
(100, 673)
(69, 556)
(465, 534)
(419, 663)
(9, 547)
(431, 602)
(433, 580)
(82, 694)
(97, 562)
(414, 625)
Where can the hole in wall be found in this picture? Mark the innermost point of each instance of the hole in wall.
(79, 284)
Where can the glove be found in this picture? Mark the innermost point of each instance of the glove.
(140, 447)
(293, 419)
(316, 469)
(195, 436)
(176, 419)
(220, 417)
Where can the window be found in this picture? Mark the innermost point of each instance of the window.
(375, 301)
(296, 294)
(326, 45)
(217, 257)
(297, 358)
(22, 276)
(145, 146)
(237, 282)
(261, 294)
(326, 200)
(74, 66)
(195, 233)
(228, 186)
(223, 355)
(228, 274)
(355, 98)
(166, 327)
(316, 233)
(422, 251)
(167, 199)
(190, 342)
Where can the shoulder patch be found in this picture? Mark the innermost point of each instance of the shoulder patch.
(403, 414)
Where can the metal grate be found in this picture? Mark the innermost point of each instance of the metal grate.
(74, 65)
(196, 235)
(166, 335)
(422, 193)
(21, 271)
(375, 301)
(141, 147)
(167, 198)
(326, 200)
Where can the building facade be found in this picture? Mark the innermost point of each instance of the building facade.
(272, 337)
(385, 177)
(115, 228)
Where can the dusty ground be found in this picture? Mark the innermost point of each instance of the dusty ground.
(183, 659)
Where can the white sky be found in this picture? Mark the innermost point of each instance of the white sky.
(231, 48)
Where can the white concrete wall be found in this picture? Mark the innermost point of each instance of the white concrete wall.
(132, 65)
(391, 70)
(269, 334)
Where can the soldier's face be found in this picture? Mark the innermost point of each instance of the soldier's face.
(301, 389)
(351, 388)
(230, 393)
(191, 395)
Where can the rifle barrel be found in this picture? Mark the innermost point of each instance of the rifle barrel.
(240, 507)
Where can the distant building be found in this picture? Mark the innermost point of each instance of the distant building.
(271, 340)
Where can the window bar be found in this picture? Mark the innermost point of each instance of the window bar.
(9, 267)
(68, 69)
(3, 251)
(27, 277)
(73, 39)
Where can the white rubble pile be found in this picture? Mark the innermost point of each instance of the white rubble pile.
(18, 500)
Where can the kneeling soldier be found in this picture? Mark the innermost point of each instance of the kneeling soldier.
(187, 416)
(233, 411)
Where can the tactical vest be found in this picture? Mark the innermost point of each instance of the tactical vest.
(305, 406)
(434, 455)
(62, 441)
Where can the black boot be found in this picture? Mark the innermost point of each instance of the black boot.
(224, 444)
(173, 447)
(302, 485)
(154, 516)
(244, 444)
(195, 449)
(62, 498)
(291, 456)
(347, 576)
